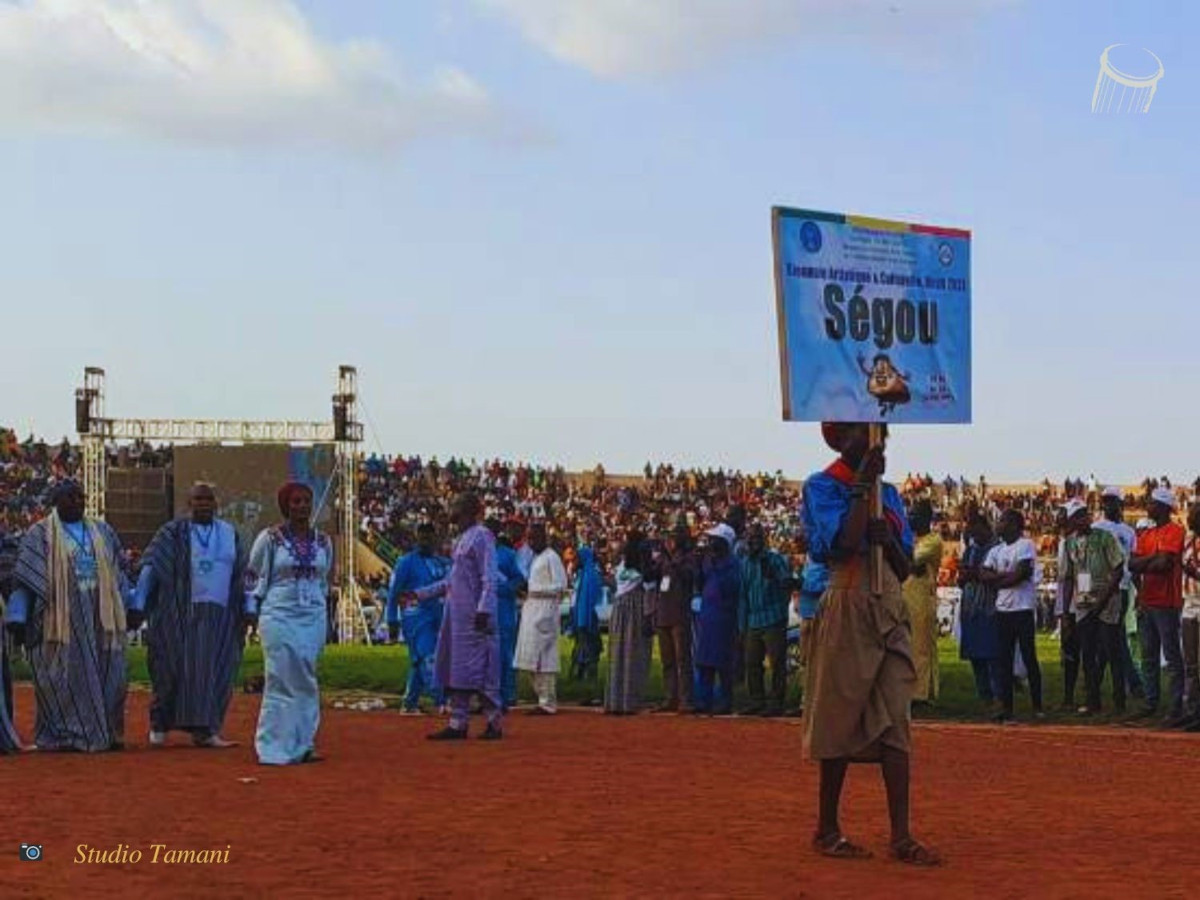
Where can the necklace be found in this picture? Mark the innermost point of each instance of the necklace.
(204, 537)
(304, 552)
(83, 541)
(204, 534)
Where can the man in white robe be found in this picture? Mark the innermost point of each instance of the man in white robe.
(537, 641)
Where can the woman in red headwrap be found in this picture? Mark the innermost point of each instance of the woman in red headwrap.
(861, 675)
(288, 575)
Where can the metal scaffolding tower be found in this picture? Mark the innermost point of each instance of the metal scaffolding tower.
(348, 433)
(345, 432)
(89, 409)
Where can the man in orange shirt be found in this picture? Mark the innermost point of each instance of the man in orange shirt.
(1158, 561)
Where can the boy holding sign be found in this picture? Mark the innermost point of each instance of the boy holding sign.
(874, 324)
(861, 676)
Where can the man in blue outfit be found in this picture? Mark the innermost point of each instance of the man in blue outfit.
(420, 621)
(510, 582)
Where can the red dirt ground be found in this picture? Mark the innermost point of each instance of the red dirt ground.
(587, 805)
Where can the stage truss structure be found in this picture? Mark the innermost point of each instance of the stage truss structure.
(96, 429)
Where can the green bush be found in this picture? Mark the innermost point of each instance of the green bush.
(384, 670)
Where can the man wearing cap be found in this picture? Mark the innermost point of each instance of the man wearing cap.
(1158, 561)
(1112, 503)
(860, 680)
(718, 621)
(1095, 567)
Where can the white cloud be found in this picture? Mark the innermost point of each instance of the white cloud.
(615, 38)
(218, 71)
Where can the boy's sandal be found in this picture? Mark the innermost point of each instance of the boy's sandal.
(837, 846)
(913, 853)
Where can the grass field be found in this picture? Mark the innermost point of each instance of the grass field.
(383, 670)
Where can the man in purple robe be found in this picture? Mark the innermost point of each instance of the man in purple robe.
(468, 653)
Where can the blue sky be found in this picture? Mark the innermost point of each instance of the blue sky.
(540, 228)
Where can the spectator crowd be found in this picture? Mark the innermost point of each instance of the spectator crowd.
(396, 495)
(663, 524)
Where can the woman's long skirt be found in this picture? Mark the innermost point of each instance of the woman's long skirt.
(292, 639)
(628, 654)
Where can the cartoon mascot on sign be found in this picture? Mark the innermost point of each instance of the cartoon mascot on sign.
(886, 383)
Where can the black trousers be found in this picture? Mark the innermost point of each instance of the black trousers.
(1017, 629)
(675, 649)
(1068, 649)
(763, 644)
(1190, 630)
(1100, 647)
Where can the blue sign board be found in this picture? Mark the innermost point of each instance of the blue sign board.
(874, 319)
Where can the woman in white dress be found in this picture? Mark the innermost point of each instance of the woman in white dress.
(288, 575)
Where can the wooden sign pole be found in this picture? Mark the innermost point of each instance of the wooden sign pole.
(877, 561)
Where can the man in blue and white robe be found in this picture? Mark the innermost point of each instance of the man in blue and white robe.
(191, 591)
(68, 610)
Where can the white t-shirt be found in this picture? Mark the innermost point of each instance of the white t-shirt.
(1004, 558)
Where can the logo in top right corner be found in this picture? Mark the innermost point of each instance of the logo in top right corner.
(1128, 80)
